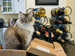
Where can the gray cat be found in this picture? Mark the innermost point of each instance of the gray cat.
(20, 34)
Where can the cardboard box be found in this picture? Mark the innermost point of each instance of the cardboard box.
(59, 50)
(10, 52)
(43, 48)
(37, 47)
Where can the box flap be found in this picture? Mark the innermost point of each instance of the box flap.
(59, 50)
(36, 47)
(61, 53)
(39, 52)
(50, 45)
(11, 52)
(58, 47)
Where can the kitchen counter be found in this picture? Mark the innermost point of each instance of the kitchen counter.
(4, 27)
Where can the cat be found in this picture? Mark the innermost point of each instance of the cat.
(20, 34)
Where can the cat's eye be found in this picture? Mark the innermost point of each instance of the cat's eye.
(29, 18)
(24, 18)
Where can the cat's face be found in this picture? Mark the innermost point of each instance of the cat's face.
(26, 18)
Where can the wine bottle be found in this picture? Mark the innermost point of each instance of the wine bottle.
(63, 29)
(69, 39)
(60, 21)
(52, 35)
(54, 29)
(65, 21)
(59, 38)
(55, 21)
(58, 12)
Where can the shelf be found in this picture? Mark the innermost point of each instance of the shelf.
(7, 13)
(5, 1)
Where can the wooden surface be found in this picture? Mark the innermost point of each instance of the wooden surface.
(0, 47)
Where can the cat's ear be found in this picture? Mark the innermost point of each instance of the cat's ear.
(31, 13)
(20, 13)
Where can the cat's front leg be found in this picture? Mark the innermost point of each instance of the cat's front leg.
(27, 42)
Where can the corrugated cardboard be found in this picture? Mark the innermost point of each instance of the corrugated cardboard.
(59, 50)
(36, 42)
(45, 48)
(37, 47)
(10, 52)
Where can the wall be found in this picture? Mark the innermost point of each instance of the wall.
(31, 3)
(71, 3)
(8, 16)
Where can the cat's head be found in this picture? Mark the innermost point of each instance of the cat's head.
(26, 17)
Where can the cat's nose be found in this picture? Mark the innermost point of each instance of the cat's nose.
(27, 20)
